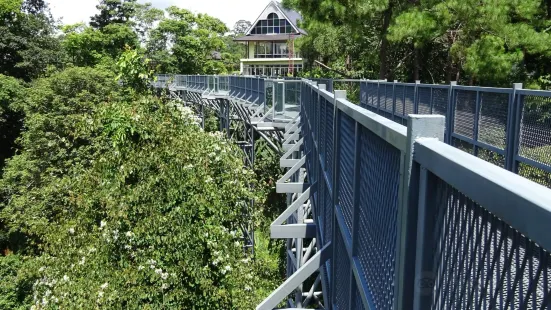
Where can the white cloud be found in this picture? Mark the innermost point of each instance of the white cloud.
(229, 11)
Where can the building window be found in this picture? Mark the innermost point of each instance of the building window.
(273, 50)
(272, 25)
(270, 70)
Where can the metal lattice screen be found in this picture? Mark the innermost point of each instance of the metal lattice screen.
(480, 261)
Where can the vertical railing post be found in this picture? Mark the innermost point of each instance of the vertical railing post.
(450, 113)
(419, 126)
(513, 128)
(394, 98)
(378, 97)
(355, 211)
(339, 94)
(416, 98)
(425, 203)
(476, 122)
(227, 105)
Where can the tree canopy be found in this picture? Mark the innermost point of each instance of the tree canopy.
(111, 195)
(492, 43)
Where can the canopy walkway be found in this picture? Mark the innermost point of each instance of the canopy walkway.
(391, 209)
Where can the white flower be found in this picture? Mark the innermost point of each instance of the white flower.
(129, 234)
(188, 166)
(104, 285)
(158, 271)
(245, 260)
(127, 247)
(102, 224)
(140, 267)
(247, 288)
(228, 268)
(152, 266)
(151, 262)
(100, 294)
(82, 261)
(42, 269)
(237, 243)
(65, 278)
(164, 275)
(164, 286)
(71, 230)
(212, 154)
(208, 180)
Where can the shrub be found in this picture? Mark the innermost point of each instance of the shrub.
(127, 204)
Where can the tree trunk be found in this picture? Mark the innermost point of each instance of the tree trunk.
(548, 9)
(416, 64)
(383, 68)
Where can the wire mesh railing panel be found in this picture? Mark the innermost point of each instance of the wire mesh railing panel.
(268, 95)
(327, 82)
(492, 123)
(352, 88)
(357, 301)
(440, 101)
(346, 166)
(425, 100)
(480, 262)
(328, 119)
(378, 204)
(328, 212)
(535, 137)
(321, 142)
(342, 274)
(409, 99)
(400, 93)
(465, 109)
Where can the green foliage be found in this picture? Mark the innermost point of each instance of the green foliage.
(27, 42)
(123, 202)
(491, 42)
(113, 12)
(144, 20)
(193, 39)
(133, 71)
(487, 58)
(17, 282)
(11, 93)
(87, 46)
(56, 139)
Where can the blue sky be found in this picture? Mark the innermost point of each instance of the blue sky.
(229, 11)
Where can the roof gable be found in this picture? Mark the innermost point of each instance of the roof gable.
(275, 7)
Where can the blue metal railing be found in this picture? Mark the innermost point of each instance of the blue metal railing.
(416, 223)
(459, 240)
(509, 127)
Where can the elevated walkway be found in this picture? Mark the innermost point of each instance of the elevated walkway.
(386, 216)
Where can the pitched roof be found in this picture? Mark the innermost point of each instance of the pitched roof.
(292, 16)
